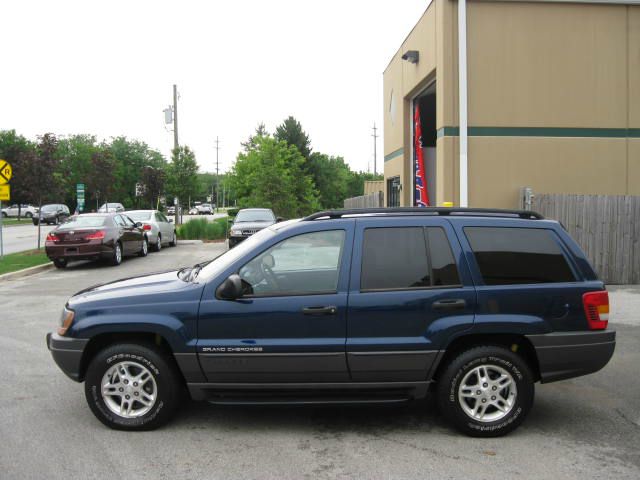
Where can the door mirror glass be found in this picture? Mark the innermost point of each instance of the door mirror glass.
(230, 289)
(279, 219)
(139, 224)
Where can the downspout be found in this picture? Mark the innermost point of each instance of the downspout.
(462, 101)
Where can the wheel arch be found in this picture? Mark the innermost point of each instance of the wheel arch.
(516, 343)
(101, 341)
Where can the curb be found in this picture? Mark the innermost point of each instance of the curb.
(25, 272)
(188, 242)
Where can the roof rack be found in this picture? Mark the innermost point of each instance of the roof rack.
(444, 211)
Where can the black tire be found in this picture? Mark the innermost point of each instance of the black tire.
(4, 215)
(144, 250)
(60, 262)
(174, 242)
(166, 383)
(116, 259)
(449, 383)
(158, 245)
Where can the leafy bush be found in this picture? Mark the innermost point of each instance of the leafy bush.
(232, 212)
(202, 229)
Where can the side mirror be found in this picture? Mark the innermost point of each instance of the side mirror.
(279, 219)
(139, 224)
(230, 289)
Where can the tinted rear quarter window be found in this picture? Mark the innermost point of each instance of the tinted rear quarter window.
(508, 256)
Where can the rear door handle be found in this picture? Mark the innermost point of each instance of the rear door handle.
(448, 304)
(329, 310)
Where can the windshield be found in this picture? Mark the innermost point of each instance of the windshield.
(218, 264)
(49, 208)
(139, 216)
(90, 221)
(254, 216)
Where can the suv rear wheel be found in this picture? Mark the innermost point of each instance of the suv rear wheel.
(132, 387)
(486, 391)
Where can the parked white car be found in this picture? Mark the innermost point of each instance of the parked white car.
(205, 209)
(158, 228)
(111, 207)
(26, 211)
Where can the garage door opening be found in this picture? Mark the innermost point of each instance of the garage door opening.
(424, 147)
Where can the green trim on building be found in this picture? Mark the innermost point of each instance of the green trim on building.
(542, 132)
(394, 154)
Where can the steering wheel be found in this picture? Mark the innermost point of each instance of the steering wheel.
(269, 276)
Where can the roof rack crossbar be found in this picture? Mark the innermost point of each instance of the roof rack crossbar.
(490, 212)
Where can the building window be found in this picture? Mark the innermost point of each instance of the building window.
(393, 192)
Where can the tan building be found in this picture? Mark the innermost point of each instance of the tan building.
(552, 102)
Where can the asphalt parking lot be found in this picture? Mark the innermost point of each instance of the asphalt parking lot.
(587, 427)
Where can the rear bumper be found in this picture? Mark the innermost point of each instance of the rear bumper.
(94, 249)
(67, 353)
(563, 355)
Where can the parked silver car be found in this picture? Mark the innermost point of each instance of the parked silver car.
(159, 229)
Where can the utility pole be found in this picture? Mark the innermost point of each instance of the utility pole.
(217, 176)
(178, 214)
(375, 137)
(175, 116)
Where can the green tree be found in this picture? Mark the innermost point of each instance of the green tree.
(291, 131)
(271, 175)
(261, 131)
(182, 175)
(101, 182)
(75, 154)
(331, 177)
(153, 180)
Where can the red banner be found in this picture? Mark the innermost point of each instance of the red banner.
(421, 194)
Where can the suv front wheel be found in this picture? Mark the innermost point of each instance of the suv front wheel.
(486, 391)
(132, 387)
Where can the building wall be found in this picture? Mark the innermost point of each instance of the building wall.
(373, 186)
(554, 99)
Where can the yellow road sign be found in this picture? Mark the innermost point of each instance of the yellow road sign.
(5, 192)
(5, 172)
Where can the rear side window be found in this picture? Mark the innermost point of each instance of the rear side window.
(398, 258)
(508, 256)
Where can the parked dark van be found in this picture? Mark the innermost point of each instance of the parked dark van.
(373, 305)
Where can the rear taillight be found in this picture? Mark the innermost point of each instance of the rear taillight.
(596, 307)
(52, 237)
(99, 235)
(146, 226)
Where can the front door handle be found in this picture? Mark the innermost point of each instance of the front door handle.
(449, 304)
(329, 310)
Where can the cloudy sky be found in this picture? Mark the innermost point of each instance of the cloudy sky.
(107, 68)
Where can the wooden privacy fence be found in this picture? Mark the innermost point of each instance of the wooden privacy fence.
(607, 227)
(372, 200)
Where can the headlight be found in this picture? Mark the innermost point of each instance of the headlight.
(235, 232)
(66, 319)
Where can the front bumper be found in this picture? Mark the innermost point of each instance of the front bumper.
(67, 353)
(564, 355)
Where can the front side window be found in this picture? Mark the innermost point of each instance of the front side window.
(508, 256)
(300, 265)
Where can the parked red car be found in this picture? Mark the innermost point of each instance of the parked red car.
(95, 236)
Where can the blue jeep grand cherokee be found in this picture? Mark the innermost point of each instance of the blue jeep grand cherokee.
(377, 305)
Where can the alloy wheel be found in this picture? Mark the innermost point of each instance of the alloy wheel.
(129, 389)
(487, 393)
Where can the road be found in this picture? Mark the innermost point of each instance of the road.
(18, 238)
(583, 428)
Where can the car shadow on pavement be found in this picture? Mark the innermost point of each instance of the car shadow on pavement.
(421, 416)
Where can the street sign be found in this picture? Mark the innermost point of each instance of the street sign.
(5, 192)
(80, 195)
(5, 172)
(208, 198)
